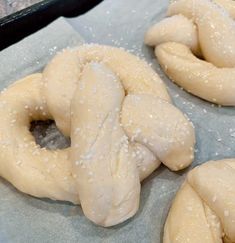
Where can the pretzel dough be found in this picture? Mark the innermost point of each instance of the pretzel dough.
(216, 29)
(31, 169)
(104, 158)
(137, 77)
(198, 77)
(204, 207)
(106, 171)
(120, 110)
(176, 28)
(123, 125)
(34, 170)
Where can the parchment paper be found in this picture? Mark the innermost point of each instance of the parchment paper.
(26, 219)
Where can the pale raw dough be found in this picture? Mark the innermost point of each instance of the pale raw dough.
(216, 29)
(64, 71)
(121, 121)
(137, 78)
(159, 126)
(198, 77)
(102, 156)
(109, 180)
(229, 5)
(212, 79)
(204, 208)
(34, 170)
(31, 169)
(176, 28)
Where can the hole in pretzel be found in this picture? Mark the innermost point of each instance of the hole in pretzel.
(47, 135)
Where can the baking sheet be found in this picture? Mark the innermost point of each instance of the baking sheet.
(26, 219)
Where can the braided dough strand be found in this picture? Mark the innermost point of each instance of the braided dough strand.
(105, 169)
(204, 206)
(197, 76)
(103, 157)
(176, 28)
(216, 29)
(64, 71)
(211, 34)
(121, 120)
(137, 78)
(38, 171)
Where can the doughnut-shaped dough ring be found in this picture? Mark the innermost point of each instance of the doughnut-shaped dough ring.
(204, 208)
(31, 169)
(198, 77)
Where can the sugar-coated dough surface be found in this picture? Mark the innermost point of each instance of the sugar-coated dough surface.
(159, 126)
(228, 5)
(31, 169)
(214, 35)
(204, 206)
(104, 158)
(216, 29)
(198, 77)
(38, 171)
(176, 28)
(122, 123)
(105, 169)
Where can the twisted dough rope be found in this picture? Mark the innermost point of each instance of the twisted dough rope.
(34, 170)
(213, 36)
(204, 207)
(105, 170)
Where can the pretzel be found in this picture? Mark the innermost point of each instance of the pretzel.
(115, 97)
(216, 29)
(34, 170)
(204, 207)
(212, 79)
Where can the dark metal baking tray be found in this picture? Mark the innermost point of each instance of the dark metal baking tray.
(22, 23)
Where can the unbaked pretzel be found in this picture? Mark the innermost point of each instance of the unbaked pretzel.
(105, 170)
(204, 207)
(38, 171)
(212, 35)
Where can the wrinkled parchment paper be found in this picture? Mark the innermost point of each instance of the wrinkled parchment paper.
(119, 23)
